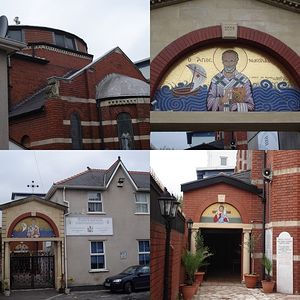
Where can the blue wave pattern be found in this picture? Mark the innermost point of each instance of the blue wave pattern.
(267, 97)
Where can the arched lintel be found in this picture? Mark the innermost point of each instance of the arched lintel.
(211, 35)
(30, 214)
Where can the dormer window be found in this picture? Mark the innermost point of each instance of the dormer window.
(95, 202)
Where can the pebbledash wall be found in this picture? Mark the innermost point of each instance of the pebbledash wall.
(180, 27)
(157, 237)
(282, 205)
(115, 205)
(52, 94)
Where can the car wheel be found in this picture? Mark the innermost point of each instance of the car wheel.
(128, 287)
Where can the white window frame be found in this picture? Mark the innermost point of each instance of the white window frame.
(99, 254)
(142, 203)
(100, 201)
(140, 253)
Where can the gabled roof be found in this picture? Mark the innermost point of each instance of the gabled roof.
(221, 178)
(99, 179)
(32, 198)
(121, 86)
(90, 65)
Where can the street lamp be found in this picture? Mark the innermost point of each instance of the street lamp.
(168, 209)
(189, 226)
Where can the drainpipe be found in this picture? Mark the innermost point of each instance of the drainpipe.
(65, 240)
(8, 82)
(264, 214)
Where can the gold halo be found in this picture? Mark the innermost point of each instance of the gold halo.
(242, 63)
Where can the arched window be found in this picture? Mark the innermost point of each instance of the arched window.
(76, 134)
(125, 131)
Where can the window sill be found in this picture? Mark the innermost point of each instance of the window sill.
(141, 213)
(96, 213)
(98, 271)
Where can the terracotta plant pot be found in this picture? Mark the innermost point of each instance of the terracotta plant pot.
(199, 277)
(251, 280)
(188, 292)
(268, 286)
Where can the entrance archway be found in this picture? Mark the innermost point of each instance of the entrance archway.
(32, 253)
(32, 243)
(239, 235)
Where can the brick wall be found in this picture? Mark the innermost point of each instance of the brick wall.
(114, 62)
(157, 235)
(282, 194)
(196, 201)
(26, 77)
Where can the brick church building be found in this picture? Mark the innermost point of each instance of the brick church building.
(264, 209)
(60, 98)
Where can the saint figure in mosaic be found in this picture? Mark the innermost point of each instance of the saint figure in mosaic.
(221, 215)
(230, 90)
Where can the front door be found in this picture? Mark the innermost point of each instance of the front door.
(31, 270)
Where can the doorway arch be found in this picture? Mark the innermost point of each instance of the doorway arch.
(237, 228)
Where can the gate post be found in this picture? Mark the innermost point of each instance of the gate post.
(6, 264)
(58, 259)
(246, 255)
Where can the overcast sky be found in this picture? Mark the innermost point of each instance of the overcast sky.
(103, 24)
(19, 168)
(176, 167)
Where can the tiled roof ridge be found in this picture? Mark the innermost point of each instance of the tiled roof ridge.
(139, 172)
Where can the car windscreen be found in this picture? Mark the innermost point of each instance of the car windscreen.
(130, 270)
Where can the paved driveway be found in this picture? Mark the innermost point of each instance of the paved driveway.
(82, 295)
(227, 291)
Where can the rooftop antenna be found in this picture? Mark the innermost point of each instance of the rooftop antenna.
(32, 185)
(3, 26)
(17, 20)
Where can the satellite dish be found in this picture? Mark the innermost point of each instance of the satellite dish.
(3, 26)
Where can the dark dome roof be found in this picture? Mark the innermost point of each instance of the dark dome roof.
(117, 85)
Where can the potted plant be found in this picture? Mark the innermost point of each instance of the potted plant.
(267, 284)
(6, 289)
(203, 253)
(251, 278)
(190, 262)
